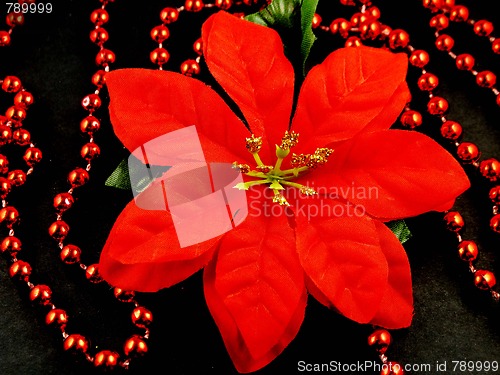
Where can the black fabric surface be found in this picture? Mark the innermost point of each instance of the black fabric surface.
(53, 56)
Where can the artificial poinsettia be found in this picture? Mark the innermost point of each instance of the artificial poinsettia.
(258, 275)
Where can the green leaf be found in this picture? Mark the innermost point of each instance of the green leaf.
(292, 19)
(123, 175)
(400, 229)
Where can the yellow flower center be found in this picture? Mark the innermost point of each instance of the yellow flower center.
(274, 176)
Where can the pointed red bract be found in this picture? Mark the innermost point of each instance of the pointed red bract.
(342, 258)
(146, 104)
(393, 174)
(142, 252)
(396, 307)
(255, 290)
(247, 60)
(353, 90)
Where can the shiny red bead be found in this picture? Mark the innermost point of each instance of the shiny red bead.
(169, 15)
(454, 221)
(427, 82)
(4, 164)
(99, 36)
(23, 99)
(70, 254)
(468, 152)
(15, 114)
(392, 368)
(451, 130)
(439, 22)
(198, 46)
(316, 21)
(484, 279)
(99, 17)
(41, 295)
(78, 177)
(99, 78)
(5, 134)
(468, 251)
(11, 246)
(494, 194)
(348, 2)
(193, 5)
(123, 295)
(91, 102)
(373, 12)
(15, 19)
(160, 33)
(142, 317)
(437, 106)
(358, 18)
(411, 119)
(5, 187)
(63, 202)
(20, 270)
(448, 4)
(224, 4)
(340, 26)
(483, 28)
(90, 151)
(105, 57)
(135, 346)
(92, 274)
(495, 223)
(353, 41)
(16, 177)
(9, 216)
(21, 137)
(89, 125)
(459, 13)
(370, 29)
(57, 318)
(4, 38)
(433, 5)
(465, 61)
(58, 230)
(11, 84)
(106, 359)
(398, 38)
(76, 344)
(32, 156)
(495, 46)
(444, 42)
(159, 56)
(490, 169)
(486, 79)
(190, 68)
(380, 340)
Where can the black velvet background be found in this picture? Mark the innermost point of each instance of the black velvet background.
(54, 58)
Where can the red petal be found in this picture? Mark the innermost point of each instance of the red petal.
(342, 258)
(146, 104)
(354, 89)
(392, 174)
(256, 75)
(142, 252)
(396, 307)
(255, 291)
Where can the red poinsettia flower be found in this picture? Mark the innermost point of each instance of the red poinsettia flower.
(258, 275)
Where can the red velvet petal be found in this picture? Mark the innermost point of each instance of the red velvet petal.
(392, 174)
(248, 62)
(342, 258)
(396, 307)
(146, 104)
(255, 291)
(353, 90)
(142, 252)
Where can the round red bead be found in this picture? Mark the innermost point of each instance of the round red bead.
(169, 15)
(142, 317)
(437, 106)
(353, 41)
(411, 119)
(444, 42)
(63, 202)
(99, 78)
(20, 270)
(495, 46)
(198, 46)
(15, 19)
(468, 251)
(465, 61)
(70, 254)
(135, 346)
(75, 343)
(433, 5)
(21, 137)
(11, 245)
(32, 156)
(490, 169)
(5, 134)
(92, 274)
(106, 359)
(9, 216)
(89, 125)
(459, 13)
(5, 187)
(99, 36)
(468, 152)
(4, 38)
(419, 58)
(193, 5)
(123, 295)
(16, 177)
(484, 279)
(427, 82)
(91, 102)
(370, 29)
(316, 21)
(392, 368)
(451, 130)
(494, 194)
(57, 318)
(59, 230)
(4, 164)
(454, 221)
(483, 28)
(41, 294)
(90, 151)
(224, 4)
(486, 79)
(159, 56)
(78, 177)
(380, 340)
(439, 22)
(11, 84)
(190, 67)
(495, 223)
(160, 33)
(99, 17)
(23, 99)
(340, 26)
(398, 38)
